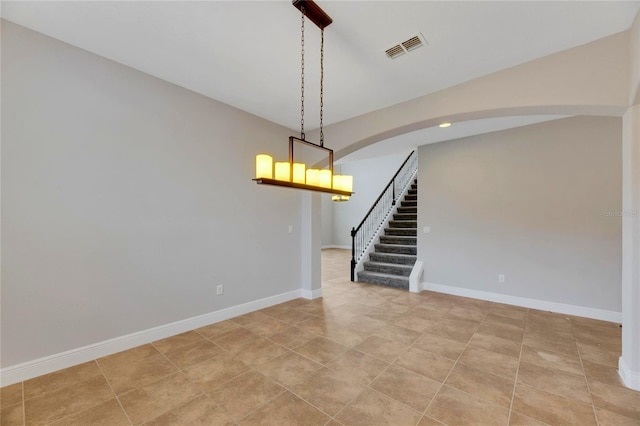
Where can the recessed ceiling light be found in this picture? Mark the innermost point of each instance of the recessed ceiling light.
(443, 125)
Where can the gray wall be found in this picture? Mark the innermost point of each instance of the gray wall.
(126, 199)
(530, 203)
(369, 178)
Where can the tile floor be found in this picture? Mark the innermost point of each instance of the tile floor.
(361, 355)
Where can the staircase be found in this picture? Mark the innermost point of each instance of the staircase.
(391, 262)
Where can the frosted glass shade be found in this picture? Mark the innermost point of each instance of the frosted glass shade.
(283, 171)
(313, 177)
(299, 172)
(325, 178)
(264, 166)
(337, 181)
(347, 183)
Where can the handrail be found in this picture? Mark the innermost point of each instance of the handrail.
(379, 211)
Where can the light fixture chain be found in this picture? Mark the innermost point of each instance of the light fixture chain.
(302, 135)
(321, 85)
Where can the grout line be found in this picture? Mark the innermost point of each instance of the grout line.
(584, 373)
(113, 391)
(515, 383)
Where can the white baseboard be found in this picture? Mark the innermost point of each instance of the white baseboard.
(333, 246)
(579, 311)
(311, 294)
(631, 379)
(30, 369)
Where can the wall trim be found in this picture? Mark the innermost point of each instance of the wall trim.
(48, 364)
(631, 379)
(334, 246)
(543, 305)
(311, 294)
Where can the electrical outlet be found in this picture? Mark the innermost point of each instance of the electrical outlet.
(219, 289)
(426, 229)
(501, 278)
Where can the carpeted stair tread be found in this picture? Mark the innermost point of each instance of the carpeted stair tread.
(403, 259)
(384, 279)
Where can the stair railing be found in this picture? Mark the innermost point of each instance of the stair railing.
(363, 235)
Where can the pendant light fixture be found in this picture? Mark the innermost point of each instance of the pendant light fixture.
(296, 174)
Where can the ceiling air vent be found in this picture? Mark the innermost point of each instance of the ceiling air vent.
(395, 51)
(406, 46)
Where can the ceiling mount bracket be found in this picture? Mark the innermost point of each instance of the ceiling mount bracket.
(313, 12)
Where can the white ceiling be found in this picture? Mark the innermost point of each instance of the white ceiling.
(247, 53)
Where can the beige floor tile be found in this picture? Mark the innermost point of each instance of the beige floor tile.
(401, 335)
(314, 307)
(602, 373)
(292, 337)
(194, 353)
(554, 381)
(346, 336)
(12, 415)
(598, 354)
(429, 421)
(108, 413)
(551, 409)
(413, 323)
(63, 402)
(493, 318)
(251, 317)
(200, 411)
(564, 343)
(125, 376)
(619, 400)
(296, 303)
(440, 346)
(146, 403)
(212, 373)
(509, 311)
(608, 340)
(503, 331)
(127, 357)
(410, 388)
(245, 393)
(491, 362)
(175, 342)
(496, 344)
(214, 330)
(374, 408)
(11, 395)
(517, 419)
(289, 369)
(60, 379)
(267, 327)
(329, 390)
(608, 418)
(453, 407)
(293, 316)
(321, 350)
(286, 409)
(469, 312)
(551, 360)
(358, 365)
(459, 330)
(275, 311)
(481, 384)
(380, 348)
(260, 351)
(235, 340)
(430, 365)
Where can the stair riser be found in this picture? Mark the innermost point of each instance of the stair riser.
(412, 192)
(395, 239)
(389, 282)
(402, 223)
(387, 269)
(408, 210)
(390, 258)
(408, 204)
(408, 232)
(411, 197)
(396, 249)
(405, 216)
